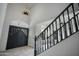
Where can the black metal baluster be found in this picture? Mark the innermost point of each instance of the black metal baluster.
(60, 29)
(40, 43)
(47, 39)
(74, 18)
(77, 17)
(64, 26)
(39, 48)
(56, 30)
(50, 34)
(53, 34)
(69, 23)
(78, 21)
(59, 23)
(42, 40)
(78, 5)
(35, 52)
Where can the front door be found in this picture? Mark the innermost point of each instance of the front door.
(17, 37)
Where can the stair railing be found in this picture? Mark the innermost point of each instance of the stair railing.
(63, 26)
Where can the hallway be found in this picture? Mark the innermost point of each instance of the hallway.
(21, 51)
(36, 27)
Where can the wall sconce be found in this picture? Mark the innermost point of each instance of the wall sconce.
(26, 12)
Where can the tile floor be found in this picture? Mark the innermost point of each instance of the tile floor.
(20, 51)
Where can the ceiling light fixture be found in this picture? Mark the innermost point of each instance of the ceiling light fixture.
(26, 12)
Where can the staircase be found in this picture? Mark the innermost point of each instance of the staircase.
(63, 26)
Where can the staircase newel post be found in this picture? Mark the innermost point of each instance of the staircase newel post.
(35, 47)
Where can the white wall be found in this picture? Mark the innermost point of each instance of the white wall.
(2, 15)
(3, 7)
(19, 24)
(14, 16)
(68, 47)
(31, 37)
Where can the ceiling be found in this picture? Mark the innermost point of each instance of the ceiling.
(46, 11)
(39, 12)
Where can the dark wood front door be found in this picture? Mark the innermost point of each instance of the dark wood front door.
(17, 37)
